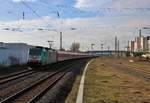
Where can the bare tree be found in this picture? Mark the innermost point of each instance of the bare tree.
(75, 47)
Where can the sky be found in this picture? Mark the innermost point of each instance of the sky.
(95, 21)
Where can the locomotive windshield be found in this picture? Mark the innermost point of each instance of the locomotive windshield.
(35, 52)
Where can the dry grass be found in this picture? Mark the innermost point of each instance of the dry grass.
(125, 61)
(105, 84)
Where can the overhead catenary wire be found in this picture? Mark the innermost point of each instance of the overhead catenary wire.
(99, 9)
(30, 29)
(96, 11)
(66, 6)
(34, 11)
(25, 4)
(44, 2)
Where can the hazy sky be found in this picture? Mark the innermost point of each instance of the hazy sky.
(96, 21)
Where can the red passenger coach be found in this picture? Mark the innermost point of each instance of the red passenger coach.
(64, 55)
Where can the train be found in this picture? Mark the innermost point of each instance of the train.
(44, 56)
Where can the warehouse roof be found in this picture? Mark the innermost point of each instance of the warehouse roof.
(14, 45)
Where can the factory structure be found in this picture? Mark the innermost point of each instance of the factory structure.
(140, 44)
(13, 53)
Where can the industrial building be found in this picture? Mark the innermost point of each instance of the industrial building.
(13, 53)
(148, 43)
(141, 44)
(132, 46)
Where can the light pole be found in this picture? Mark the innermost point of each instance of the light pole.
(92, 46)
(23, 15)
(58, 14)
(60, 40)
(102, 46)
(108, 48)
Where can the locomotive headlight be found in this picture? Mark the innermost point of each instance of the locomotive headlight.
(34, 57)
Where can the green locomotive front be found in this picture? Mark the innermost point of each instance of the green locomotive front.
(38, 55)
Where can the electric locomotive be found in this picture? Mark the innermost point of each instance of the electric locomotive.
(42, 56)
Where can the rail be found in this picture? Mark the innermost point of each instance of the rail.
(32, 93)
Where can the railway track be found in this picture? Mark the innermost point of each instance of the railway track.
(15, 76)
(33, 92)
